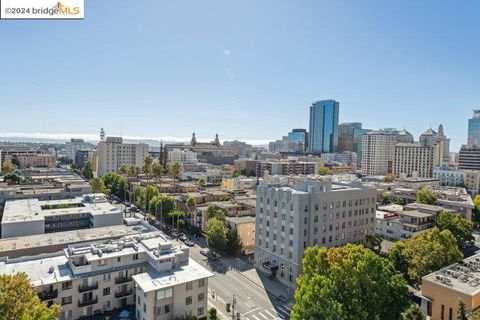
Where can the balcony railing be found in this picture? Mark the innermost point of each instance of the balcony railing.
(124, 293)
(88, 287)
(85, 303)
(48, 295)
(121, 280)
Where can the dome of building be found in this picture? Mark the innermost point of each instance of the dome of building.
(405, 136)
(429, 132)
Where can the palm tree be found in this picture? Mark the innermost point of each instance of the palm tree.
(191, 206)
(157, 170)
(147, 166)
(174, 170)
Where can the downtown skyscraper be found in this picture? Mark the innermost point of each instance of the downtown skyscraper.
(324, 127)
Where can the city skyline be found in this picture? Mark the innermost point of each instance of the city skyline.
(248, 79)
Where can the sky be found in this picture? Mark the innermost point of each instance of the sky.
(246, 69)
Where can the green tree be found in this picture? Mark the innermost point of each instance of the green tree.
(133, 171)
(157, 171)
(16, 162)
(176, 216)
(389, 177)
(8, 167)
(425, 253)
(116, 184)
(461, 312)
(174, 170)
(123, 170)
(426, 196)
(78, 172)
(234, 243)
(87, 172)
(399, 201)
(98, 186)
(386, 199)
(374, 242)
(216, 235)
(212, 314)
(215, 212)
(13, 178)
(350, 283)
(19, 300)
(461, 228)
(201, 182)
(324, 171)
(414, 312)
(476, 209)
(162, 205)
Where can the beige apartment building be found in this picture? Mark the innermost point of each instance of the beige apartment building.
(414, 159)
(442, 290)
(292, 217)
(245, 227)
(112, 154)
(145, 271)
(378, 152)
(34, 160)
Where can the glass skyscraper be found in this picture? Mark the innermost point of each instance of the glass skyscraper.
(299, 138)
(323, 126)
(474, 129)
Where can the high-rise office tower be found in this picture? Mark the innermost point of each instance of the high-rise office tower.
(346, 136)
(299, 138)
(324, 126)
(474, 129)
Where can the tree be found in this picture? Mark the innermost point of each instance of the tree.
(398, 200)
(324, 171)
(147, 166)
(461, 228)
(98, 186)
(374, 242)
(133, 171)
(349, 282)
(87, 172)
(123, 170)
(157, 170)
(174, 170)
(476, 209)
(212, 314)
(116, 184)
(386, 199)
(64, 161)
(13, 178)
(176, 215)
(8, 167)
(389, 177)
(162, 205)
(461, 312)
(16, 162)
(234, 243)
(215, 212)
(414, 312)
(78, 172)
(425, 253)
(19, 300)
(216, 235)
(426, 196)
(201, 182)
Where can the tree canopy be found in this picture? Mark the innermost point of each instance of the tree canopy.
(216, 235)
(8, 167)
(389, 177)
(414, 312)
(98, 186)
(324, 171)
(116, 184)
(425, 253)
(234, 243)
(349, 282)
(426, 196)
(19, 300)
(461, 228)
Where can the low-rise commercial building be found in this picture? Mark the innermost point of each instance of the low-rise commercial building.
(145, 271)
(33, 160)
(31, 216)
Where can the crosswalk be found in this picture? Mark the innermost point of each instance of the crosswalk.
(278, 313)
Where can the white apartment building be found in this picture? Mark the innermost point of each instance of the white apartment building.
(25, 217)
(291, 218)
(182, 156)
(146, 271)
(112, 154)
(72, 146)
(416, 160)
(377, 152)
(448, 175)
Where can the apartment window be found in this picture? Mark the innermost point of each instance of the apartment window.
(66, 285)
(106, 277)
(201, 296)
(450, 313)
(290, 254)
(106, 305)
(442, 316)
(201, 283)
(188, 300)
(119, 259)
(106, 291)
(144, 308)
(200, 312)
(135, 256)
(102, 262)
(167, 308)
(189, 286)
(66, 300)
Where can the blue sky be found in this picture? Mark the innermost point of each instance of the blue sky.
(248, 69)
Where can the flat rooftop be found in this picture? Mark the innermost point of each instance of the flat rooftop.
(240, 220)
(463, 277)
(152, 280)
(35, 210)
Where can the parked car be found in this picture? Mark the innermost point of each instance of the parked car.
(182, 237)
(213, 256)
(205, 252)
(189, 243)
(174, 234)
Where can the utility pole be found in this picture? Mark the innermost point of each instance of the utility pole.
(233, 307)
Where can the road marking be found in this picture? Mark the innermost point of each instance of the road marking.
(285, 309)
(280, 313)
(260, 314)
(255, 317)
(251, 311)
(270, 314)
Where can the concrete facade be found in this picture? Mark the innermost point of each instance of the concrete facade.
(112, 154)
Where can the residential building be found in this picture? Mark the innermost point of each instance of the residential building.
(441, 290)
(292, 217)
(323, 131)
(450, 176)
(243, 148)
(472, 181)
(245, 227)
(378, 152)
(345, 158)
(82, 157)
(357, 143)
(24, 217)
(417, 160)
(72, 146)
(182, 156)
(469, 157)
(113, 153)
(286, 167)
(144, 271)
(474, 129)
(249, 166)
(33, 160)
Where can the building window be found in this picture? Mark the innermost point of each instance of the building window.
(66, 285)
(106, 291)
(201, 283)
(66, 300)
(106, 277)
(188, 300)
(189, 286)
(165, 293)
(200, 312)
(201, 296)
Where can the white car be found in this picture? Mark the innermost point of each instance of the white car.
(205, 252)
